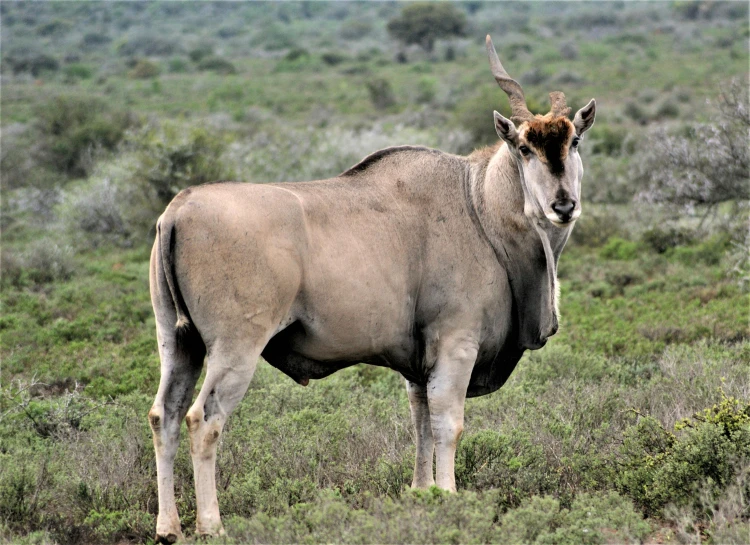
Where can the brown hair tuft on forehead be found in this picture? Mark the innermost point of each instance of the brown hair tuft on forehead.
(549, 137)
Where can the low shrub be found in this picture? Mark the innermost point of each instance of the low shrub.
(381, 93)
(595, 227)
(668, 109)
(332, 58)
(607, 140)
(710, 251)
(216, 64)
(591, 519)
(93, 213)
(703, 453)
(426, 90)
(32, 63)
(144, 69)
(661, 239)
(620, 249)
(200, 52)
(513, 465)
(178, 65)
(46, 261)
(73, 127)
(120, 203)
(77, 71)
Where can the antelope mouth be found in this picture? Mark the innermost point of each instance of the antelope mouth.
(558, 221)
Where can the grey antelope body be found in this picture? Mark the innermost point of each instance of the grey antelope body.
(438, 266)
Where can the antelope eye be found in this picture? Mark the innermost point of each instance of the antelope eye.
(524, 150)
(576, 141)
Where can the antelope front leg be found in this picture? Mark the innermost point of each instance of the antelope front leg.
(420, 416)
(446, 393)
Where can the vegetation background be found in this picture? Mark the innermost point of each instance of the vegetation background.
(631, 425)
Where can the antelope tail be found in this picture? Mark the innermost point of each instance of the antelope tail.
(165, 231)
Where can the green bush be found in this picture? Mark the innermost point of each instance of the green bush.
(591, 519)
(332, 58)
(635, 112)
(200, 52)
(668, 109)
(74, 126)
(170, 158)
(216, 64)
(709, 252)
(426, 90)
(659, 467)
(47, 262)
(178, 65)
(607, 140)
(298, 58)
(595, 227)
(661, 239)
(424, 22)
(78, 71)
(620, 249)
(513, 465)
(144, 69)
(33, 63)
(381, 93)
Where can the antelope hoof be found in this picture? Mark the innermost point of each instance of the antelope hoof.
(206, 535)
(168, 538)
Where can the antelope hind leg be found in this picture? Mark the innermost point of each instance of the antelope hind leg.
(180, 369)
(227, 377)
(420, 416)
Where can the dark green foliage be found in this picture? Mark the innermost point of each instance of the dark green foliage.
(77, 71)
(149, 45)
(595, 228)
(701, 457)
(297, 59)
(177, 65)
(171, 159)
(332, 58)
(144, 69)
(73, 126)
(197, 54)
(32, 63)
(710, 251)
(668, 109)
(607, 139)
(662, 239)
(620, 249)
(424, 22)
(381, 93)
(56, 26)
(95, 39)
(635, 113)
(512, 465)
(216, 64)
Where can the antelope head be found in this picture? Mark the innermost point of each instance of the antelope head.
(545, 148)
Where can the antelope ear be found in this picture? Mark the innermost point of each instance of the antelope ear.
(584, 118)
(505, 129)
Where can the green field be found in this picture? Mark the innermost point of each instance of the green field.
(631, 426)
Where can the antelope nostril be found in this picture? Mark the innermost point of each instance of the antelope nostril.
(565, 208)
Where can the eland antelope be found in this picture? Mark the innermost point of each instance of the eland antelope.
(438, 266)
